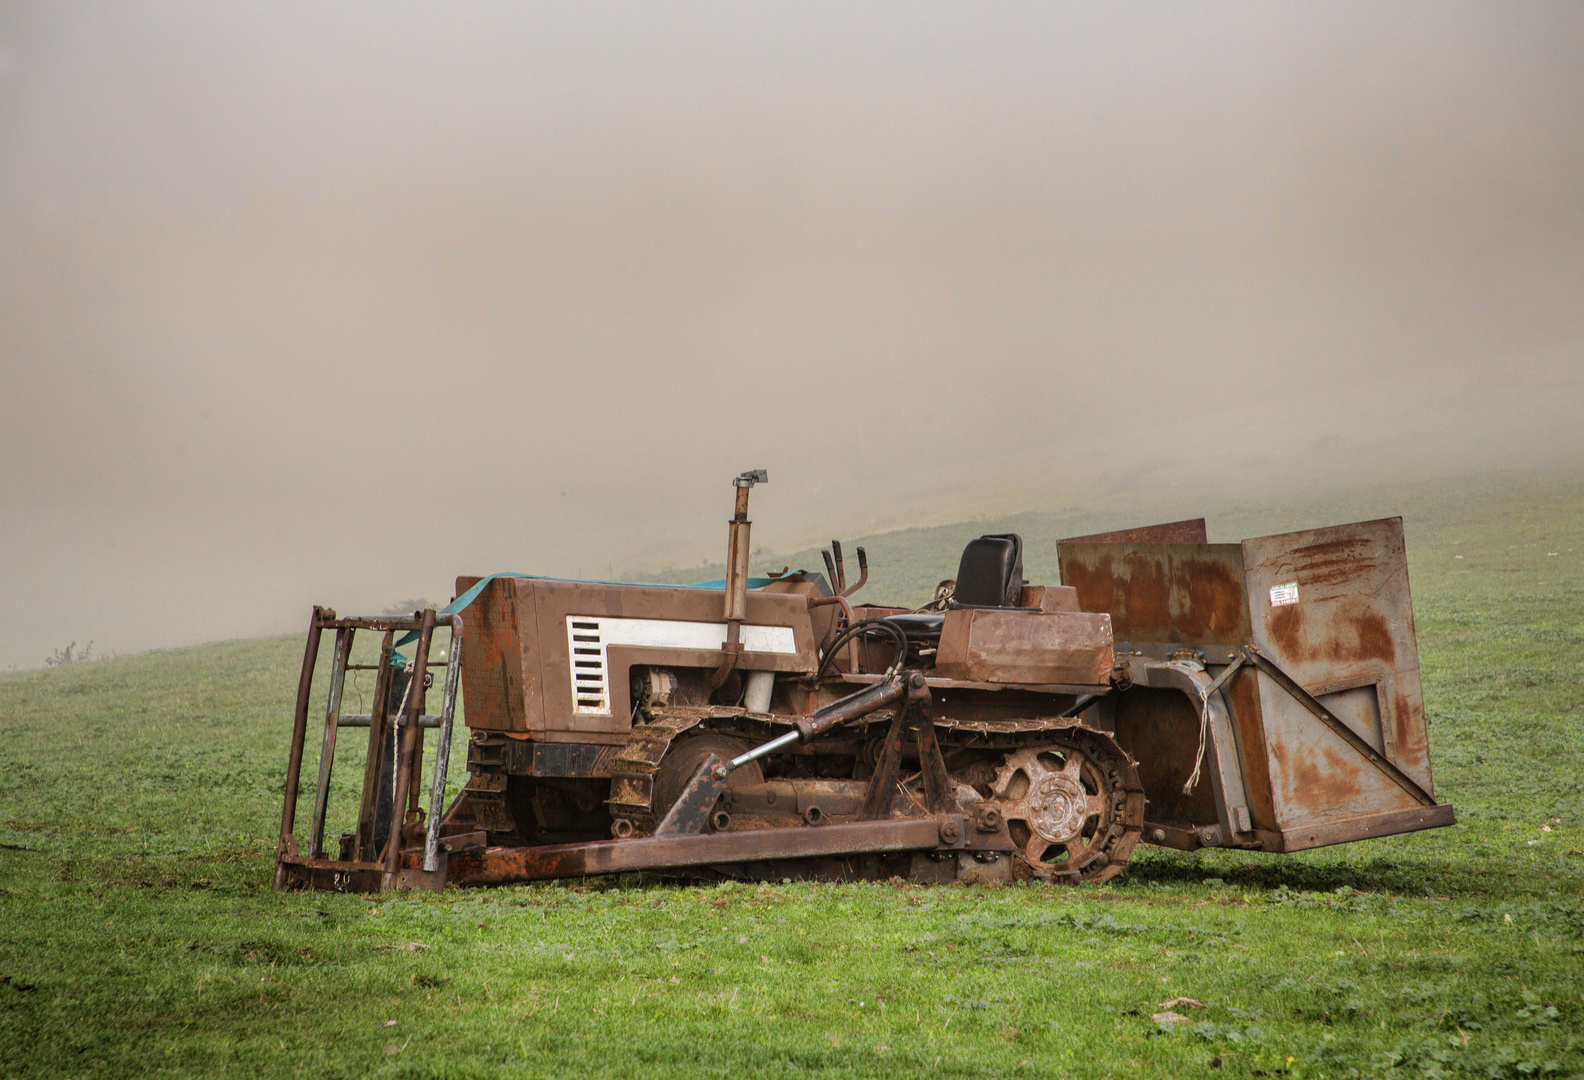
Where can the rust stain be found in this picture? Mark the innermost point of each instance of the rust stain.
(1360, 635)
(1278, 753)
(1342, 573)
(1191, 531)
(1341, 786)
(1374, 637)
(1342, 548)
(1094, 583)
(1146, 604)
(1321, 786)
(1216, 600)
(491, 655)
(1242, 695)
(1286, 630)
(1412, 745)
(1160, 593)
(1341, 561)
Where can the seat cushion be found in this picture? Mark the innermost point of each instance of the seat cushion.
(991, 572)
(922, 626)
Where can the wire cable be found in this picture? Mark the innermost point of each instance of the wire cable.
(864, 628)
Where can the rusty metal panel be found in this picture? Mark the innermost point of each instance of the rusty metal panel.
(495, 694)
(517, 674)
(1049, 598)
(495, 866)
(1160, 728)
(1369, 826)
(1015, 645)
(1191, 531)
(1331, 607)
(1161, 592)
(1242, 696)
(559, 601)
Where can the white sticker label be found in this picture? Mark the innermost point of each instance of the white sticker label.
(1284, 594)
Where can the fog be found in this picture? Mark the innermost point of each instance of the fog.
(302, 306)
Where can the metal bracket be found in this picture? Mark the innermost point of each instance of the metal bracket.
(1345, 733)
(1226, 768)
(689, 814)
(914, 720)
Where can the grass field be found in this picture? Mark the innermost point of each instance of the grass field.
(139, 934)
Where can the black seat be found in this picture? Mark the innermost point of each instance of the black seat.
(922, 626)
(989, 576)
(991, 572)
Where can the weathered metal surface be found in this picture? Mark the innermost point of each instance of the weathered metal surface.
(1103, 854)
(437, 784)
(862, 703)
(1191, 531)
(691, 811)
(1161, 729)
(295, 869)
(1214, 744)
(773, 803)
(518, 672)
(863, 570)
(363, 720)
(911, 726)
(920, 867)
(570, 759)
(1342, 730)
(522, 757)
(327, 745)
(1012, 645)
(409, 742)
(944, 684)
(853, 706)
(1368, 826)
(1332, 609)
(632, 770)
(500, 679)
(329, 875)
(1056, 795)
(288, 842)
(658, 609)
(1049, 598)
(367, 846)
(495, 866)
(1241, 696)
(1161, 592)
(1342, 740)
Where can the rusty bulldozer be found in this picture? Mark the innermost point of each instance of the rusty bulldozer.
(1262, 696)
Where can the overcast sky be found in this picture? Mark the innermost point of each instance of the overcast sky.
(330, 303)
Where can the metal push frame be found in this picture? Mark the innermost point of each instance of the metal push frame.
(373, 862)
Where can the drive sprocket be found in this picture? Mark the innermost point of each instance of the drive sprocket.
(1074, 808)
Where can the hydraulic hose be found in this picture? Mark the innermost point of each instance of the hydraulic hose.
(863, 628)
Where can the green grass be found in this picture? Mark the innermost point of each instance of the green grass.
(138, 932)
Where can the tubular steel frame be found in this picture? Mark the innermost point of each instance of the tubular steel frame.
(374, 862)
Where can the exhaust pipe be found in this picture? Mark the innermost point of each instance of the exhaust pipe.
(737, 576)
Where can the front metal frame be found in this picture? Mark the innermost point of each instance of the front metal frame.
(374, 862)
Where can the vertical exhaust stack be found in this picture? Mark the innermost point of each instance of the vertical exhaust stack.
(737, 575)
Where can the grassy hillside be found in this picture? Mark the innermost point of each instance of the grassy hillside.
(138, 934)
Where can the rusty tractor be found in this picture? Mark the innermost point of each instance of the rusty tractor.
(1262, 696)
